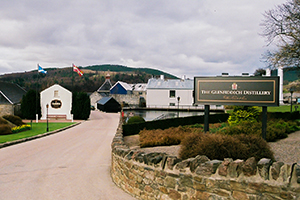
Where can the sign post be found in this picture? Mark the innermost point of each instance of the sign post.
(237, 90)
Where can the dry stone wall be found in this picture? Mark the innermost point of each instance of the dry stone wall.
(160, 176)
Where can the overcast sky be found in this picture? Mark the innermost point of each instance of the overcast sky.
(181, 37)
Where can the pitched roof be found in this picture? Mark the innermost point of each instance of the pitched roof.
(104, 100)
(12, 92)
(178, 84)
(139, 87)
(105, 86)
(56, 86)
(126, 86)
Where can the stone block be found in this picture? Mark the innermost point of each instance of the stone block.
(224, 166)
(208, 168)
(172, 161)
(235, 168)
(170, 182)
(249, 167)
(263, 168)
(181, 166)
(285, 173)
(175, 195)
(275, 170)
(198, 160)
(185, 181)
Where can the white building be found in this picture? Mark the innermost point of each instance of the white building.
(59, 101)
(166, 93)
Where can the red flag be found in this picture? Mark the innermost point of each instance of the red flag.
(76, 69)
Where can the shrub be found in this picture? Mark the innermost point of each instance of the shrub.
(3, 121)
(243, 113)
(217, 146)
(5, 129)
(14, 119)
(276, 129)
(170, 136)
(135, 119)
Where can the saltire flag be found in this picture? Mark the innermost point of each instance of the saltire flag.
(76, 69)
(41, 70)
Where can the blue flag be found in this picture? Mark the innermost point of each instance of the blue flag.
(42, 70)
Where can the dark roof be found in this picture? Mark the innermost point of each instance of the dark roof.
(105, 86)
(104, 100)
(12, 92)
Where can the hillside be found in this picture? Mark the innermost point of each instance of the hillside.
(93, 78)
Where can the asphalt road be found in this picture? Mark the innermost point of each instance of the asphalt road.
(72, 164)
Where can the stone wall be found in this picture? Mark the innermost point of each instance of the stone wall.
(130, 99)
(6, 109)
(160, 176)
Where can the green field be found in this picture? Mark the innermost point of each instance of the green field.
(37, 128)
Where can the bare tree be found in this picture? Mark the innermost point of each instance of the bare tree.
(282, 27)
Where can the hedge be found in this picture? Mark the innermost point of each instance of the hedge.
(135, 128)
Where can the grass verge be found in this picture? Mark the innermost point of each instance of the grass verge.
(37, 128)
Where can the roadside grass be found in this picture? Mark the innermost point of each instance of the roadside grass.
(36, 129)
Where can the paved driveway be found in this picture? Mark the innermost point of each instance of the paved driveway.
(73, 164)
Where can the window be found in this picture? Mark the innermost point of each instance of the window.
(172, 104)
(55, 93)
(172, 93)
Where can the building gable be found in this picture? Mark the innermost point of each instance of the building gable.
(13, 93)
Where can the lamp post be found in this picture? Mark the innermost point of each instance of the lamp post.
(47, 106)
(178, 99)
(291, 91)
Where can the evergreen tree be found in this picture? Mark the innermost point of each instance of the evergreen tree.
(81, 105)
(30, 105)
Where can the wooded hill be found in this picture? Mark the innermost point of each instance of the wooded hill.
(93, 78)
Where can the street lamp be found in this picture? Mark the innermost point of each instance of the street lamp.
(178, 99)
(291, 91)
(47, 106)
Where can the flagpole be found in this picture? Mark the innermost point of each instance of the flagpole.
(72, 77)
(36, 93)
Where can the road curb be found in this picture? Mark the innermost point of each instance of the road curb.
(6, 144)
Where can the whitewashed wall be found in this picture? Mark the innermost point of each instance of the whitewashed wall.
(62, 94)
(160, 97)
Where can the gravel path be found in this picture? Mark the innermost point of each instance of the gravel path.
(287, 150)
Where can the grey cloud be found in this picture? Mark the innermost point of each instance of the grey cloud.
(176, 36)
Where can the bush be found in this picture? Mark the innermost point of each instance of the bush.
(5, 129)
(3, 121)
(14, 119)
(135, 119)
(217, 146)
(243, 113)
(170, 136)
(276, 129)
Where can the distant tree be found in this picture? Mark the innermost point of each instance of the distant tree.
(30, 105)
(282, 27)
(260, 72)
(81, 105)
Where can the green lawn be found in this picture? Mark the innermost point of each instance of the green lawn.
(37, 128)
(284, 108)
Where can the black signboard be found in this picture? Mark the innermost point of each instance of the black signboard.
(235, 90)
(56, 104)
